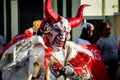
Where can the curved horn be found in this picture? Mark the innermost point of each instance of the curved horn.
(49, 12)
(78, 19)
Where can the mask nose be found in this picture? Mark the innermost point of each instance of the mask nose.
(62, 36)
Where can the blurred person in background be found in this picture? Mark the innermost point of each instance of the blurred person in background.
(119, 44)
(109, 49)
(86, 36)
(118, 72)
(2, 42)
(86, 40)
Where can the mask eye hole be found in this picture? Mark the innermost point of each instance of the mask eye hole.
(47, 28)
(56, 28)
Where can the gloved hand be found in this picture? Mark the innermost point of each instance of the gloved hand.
(68, 70)
(57, 69)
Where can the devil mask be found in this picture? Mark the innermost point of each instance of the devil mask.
(56, 29)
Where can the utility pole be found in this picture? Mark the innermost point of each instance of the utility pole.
(119, 5)
(103, 7)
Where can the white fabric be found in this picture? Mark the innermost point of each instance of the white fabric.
(24, 68)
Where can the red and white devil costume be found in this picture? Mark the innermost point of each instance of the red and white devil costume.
(51, 57)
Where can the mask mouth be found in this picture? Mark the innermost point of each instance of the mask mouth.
(48, 39)
(58, 42)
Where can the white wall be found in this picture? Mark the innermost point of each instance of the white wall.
(109, 7)
(96, 7)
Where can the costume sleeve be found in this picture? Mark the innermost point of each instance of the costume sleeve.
(79, 64)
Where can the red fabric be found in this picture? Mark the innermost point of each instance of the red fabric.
(28, 33)
(47, 57)
(80, 60)
(48, 49)
(96, 65)
(119, 49)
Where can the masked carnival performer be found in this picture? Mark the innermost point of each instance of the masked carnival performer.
(51, 57)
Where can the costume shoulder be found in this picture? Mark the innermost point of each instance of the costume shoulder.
(19, 47)
(79, 48)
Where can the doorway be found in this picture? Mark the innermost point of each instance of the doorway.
(29, 11)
